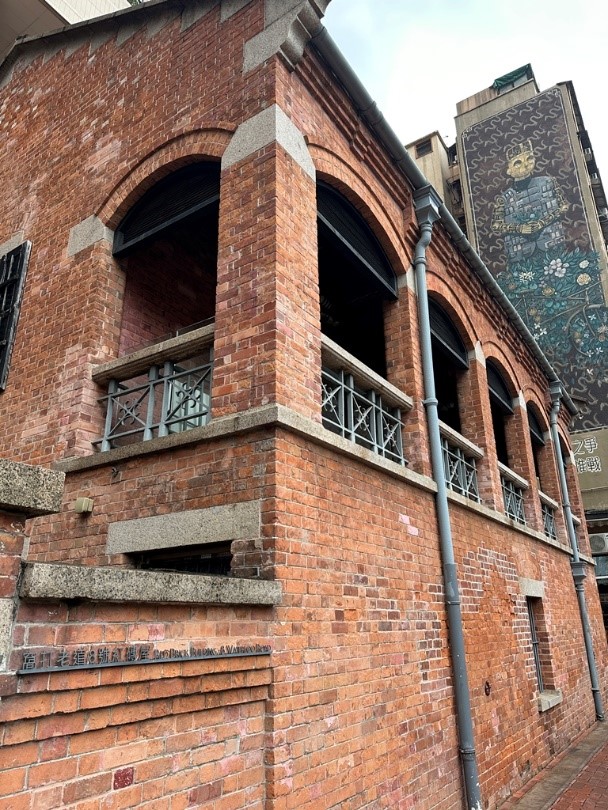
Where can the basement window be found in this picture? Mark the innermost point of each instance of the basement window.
(211, 559)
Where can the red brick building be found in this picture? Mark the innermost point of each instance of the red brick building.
(312, 549)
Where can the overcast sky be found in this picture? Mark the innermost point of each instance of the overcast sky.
(417, 58)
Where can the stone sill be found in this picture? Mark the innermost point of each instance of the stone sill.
(548, 699)
(29, 490)
(454, 437)
(51, 581)
(176, 348)
(268, 416)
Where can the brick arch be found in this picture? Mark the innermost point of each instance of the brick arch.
(457, 314)
(339, 174)
(531, 397)
(493, 353)
(184, 149)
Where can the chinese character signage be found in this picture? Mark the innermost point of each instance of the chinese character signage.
(591, 458)
(95, 657)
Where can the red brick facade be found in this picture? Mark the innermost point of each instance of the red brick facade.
(354, 705)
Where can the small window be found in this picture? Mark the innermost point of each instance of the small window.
(13, 267)
(424, 148)
(212, 558)
(540, 644)
(535, 643)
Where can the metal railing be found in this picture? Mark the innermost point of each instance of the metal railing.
(361, 415)
(151, 394)
(460, 463)
(172, 399)
(513, 491)
(548, 513)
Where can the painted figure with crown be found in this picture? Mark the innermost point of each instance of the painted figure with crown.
(528, 213)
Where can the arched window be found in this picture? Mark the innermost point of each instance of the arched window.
(502, 408)
(167, 244)
(450, 361)
(190, 193)
(355, 279)
(537, 440)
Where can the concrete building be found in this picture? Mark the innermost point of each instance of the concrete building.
(543, 236)
(285, 521)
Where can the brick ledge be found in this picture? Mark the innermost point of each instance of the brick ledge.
(52, 581)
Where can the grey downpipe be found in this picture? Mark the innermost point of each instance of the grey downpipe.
(368, 110)
(577, 565)
(426, 218)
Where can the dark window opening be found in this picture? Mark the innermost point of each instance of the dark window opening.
(450, 361)
(167, 245)
(13, 267)
(538, 442)
(214, 558)
(456, 192)
(501, 409)
(355, 280)
(534, 607)
(424, 148)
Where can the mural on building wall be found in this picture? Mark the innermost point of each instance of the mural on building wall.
(532, 233)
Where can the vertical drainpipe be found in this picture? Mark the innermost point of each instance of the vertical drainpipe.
(577, 565)
(427, 204)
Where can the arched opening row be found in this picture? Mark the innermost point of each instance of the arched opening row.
(167, 245)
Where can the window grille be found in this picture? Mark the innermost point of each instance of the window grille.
(460, 470)
(13, 267)
(361, 416)
(513, 497)
(535, 643)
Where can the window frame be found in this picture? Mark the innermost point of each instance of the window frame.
(9, 314)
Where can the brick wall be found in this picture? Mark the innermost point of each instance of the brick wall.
(355, 707)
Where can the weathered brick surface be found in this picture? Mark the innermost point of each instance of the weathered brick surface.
(355, 708)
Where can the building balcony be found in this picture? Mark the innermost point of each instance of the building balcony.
(161, 389)
(460, 463)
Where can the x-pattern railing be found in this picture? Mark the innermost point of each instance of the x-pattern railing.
(460, 470)
(170, 399)
(549, 526)
(513, 498)
(361, 415)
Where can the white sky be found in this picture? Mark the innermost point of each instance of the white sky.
(417, 58)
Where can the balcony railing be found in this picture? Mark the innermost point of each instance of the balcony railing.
(513, 490)
(549, 509)
(163, 389)
(361, 406)
(460, 463)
